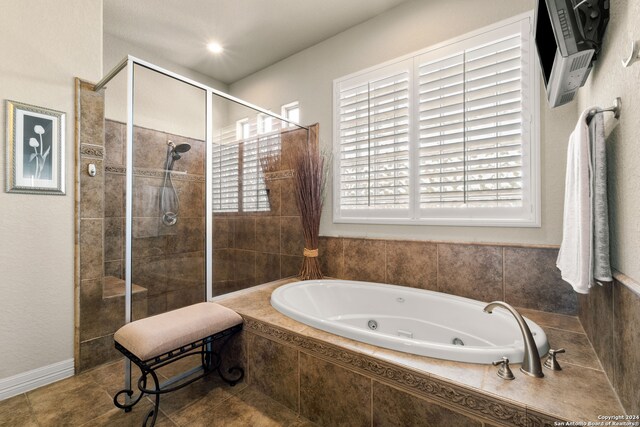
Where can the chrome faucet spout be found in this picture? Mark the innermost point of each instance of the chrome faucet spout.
(531, 364)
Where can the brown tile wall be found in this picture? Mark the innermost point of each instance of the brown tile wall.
(98, 238)
(259, 247)
(522, 276)
(331, 394)
(167, 260)
(610, 315)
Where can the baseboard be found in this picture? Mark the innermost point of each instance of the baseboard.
(35, 378)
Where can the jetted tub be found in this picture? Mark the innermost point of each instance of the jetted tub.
(411, 320)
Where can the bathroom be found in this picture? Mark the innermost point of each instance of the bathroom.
(68, 259)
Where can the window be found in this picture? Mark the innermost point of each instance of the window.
(265, 123)
(243, 129)
(444, 136)
(291, 112)
(225, 171)
(238, 182)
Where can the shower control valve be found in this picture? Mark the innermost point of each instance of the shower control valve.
(504, 371)
(551, 362)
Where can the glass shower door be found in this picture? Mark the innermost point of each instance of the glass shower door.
(168, 215)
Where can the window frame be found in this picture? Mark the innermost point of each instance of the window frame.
(284, 112)
(529, 215)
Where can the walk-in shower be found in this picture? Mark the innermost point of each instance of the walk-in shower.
(189, 211)
(169, 202)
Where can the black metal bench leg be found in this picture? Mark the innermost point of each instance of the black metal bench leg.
(153, 414)
(142, 383)
(239, 371)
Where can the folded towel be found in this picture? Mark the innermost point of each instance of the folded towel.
(600, 206)
(585, 234)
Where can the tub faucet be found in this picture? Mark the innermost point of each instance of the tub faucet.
(531, 363)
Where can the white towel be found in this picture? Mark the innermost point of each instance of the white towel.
(585, 206)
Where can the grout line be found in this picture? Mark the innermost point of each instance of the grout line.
(438, 267)
(613, 339)
(299, 387)
(386, 273)
(565, 362)
(344, 265)
(371, 398)
(555, 328)
(31, 410)
(504, 281)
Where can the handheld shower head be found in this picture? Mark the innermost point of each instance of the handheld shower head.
(181, 148)
(175, 152)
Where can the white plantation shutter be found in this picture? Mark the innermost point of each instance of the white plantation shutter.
(470, 126)
(235, 157)
(225, 171)
(254, 190)
(458, 147)
(373, 131)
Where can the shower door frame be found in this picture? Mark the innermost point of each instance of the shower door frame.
(129, 63)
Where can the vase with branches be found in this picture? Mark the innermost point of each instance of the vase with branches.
(309, 178)
(309, 182)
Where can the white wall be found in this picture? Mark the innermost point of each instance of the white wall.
(608, 80)
(44, 45)
(161, 103)
(308, 77)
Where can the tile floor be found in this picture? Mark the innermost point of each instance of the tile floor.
(86, 400)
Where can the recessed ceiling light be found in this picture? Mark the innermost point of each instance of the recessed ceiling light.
(215, 47)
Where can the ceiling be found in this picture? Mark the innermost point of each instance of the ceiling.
(254, 33)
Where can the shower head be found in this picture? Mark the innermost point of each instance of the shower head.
(181, 148)
(176, 150)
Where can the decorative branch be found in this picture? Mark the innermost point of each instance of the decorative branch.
(309, 182)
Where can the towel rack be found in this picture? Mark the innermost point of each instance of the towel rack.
(615, 109)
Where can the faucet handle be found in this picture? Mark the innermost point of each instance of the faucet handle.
(551, 362)
(504, 371)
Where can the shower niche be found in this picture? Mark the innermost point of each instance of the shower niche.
(180, 209)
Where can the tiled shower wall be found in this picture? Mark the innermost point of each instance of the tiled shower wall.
(259, 247)
(99, 311)
(168, 261)
(523, 276)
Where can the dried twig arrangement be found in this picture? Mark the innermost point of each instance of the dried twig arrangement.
(309, 181)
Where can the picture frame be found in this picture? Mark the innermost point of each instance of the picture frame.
(35, 162)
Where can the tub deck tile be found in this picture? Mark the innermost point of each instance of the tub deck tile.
(575, 393)
(568, 395)
(553, 320)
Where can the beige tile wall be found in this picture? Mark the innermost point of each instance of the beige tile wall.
(610, 315)
(259, 247)
(522, 276)
(97, 316)
(167, 261)
(324, 387)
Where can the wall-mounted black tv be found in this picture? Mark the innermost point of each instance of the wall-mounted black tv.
(568, 38)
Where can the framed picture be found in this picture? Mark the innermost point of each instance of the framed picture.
(35, 149)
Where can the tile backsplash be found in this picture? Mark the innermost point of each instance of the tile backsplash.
(610, 315)
(524, 276)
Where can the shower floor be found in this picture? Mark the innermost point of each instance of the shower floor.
(86, 400)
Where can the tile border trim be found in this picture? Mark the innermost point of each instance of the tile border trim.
(627, 281)
(153, 173)
(448, 242)
(277, 175)
(91, 150)
(465, 400)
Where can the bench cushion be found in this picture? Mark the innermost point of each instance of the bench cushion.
(156, 335)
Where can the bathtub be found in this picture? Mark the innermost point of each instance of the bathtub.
(411, 320)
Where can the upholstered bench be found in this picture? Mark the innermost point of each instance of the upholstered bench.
(157, 341)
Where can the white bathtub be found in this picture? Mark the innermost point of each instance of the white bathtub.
(405, 319)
